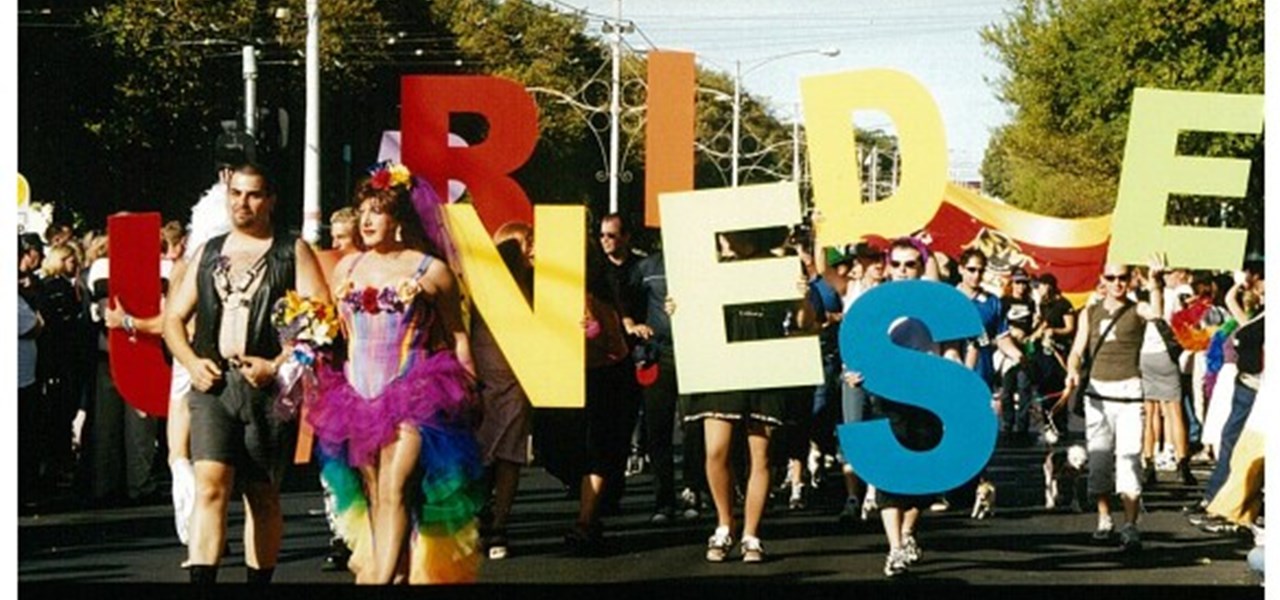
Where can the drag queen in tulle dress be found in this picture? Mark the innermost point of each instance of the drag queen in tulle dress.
(394, 420)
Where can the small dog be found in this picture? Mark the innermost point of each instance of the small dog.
(1065, 476)
(984, 500)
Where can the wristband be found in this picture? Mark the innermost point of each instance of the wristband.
(129, 327)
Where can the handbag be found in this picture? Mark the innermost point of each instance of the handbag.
(1171, 344)
(1077, 399)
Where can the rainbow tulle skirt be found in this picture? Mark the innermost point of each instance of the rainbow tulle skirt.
(434, 395)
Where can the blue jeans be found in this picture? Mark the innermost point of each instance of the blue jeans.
(826, 398)
(1189, 409)
(1241, 406)
(1016, 379)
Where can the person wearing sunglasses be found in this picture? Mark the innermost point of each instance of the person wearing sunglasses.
(1018, 312)
(1111, 332)
(622, 259)
(916, 428)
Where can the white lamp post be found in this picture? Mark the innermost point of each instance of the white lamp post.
(738, 73)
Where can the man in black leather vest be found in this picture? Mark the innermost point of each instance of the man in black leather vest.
(233, 359)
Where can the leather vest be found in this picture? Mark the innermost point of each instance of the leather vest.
(262, 340)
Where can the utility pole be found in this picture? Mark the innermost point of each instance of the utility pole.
(795, 144)
(250, 68)
(875, 168)
(311, 153)
(615, 106)
(894, 183)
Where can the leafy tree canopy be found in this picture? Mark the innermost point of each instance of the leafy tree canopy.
(1072, 66)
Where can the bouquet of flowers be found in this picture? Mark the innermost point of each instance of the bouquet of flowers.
(309, 326)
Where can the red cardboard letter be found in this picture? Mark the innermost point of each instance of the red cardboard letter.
(138, 366)
(426, 103)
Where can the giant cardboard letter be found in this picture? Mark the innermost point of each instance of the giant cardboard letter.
(701, 287)
(668, 140)
(485, 168)
(545, 344)
(1152, 171)
(138, 367)
(947, 389)
(829, 104)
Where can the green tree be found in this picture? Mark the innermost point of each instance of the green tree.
(178, 63)
(1072, 66)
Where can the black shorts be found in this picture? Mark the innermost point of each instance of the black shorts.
(916, 429)
(235, 425)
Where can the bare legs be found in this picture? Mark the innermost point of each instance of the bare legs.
(1151, 431)
(506, 479)
(264, 522)
(263, 525)
(589, 499)
(1131, 507)
(758, 481)
(719, 476)
(898, 524)
(385, 486)
(209, 521)
(719, 434)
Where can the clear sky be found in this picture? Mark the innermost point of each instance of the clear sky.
(936, 41)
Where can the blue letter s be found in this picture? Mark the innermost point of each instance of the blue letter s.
(947, 389)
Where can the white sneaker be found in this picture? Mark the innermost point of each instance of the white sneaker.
(797, 498)
(1105, 528)
(752, 551)
(719, 544)
(895, 563)
(910, 550)
(184, 495)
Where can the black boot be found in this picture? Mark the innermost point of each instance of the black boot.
(1184, 472)
(258, 576)
(338, 555)
(203, 574)
(1149, 478)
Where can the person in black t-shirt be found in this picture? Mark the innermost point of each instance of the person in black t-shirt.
(1055, 329)
(1018, 311)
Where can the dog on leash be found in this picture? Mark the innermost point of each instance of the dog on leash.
(984, 500)
(1066, 477)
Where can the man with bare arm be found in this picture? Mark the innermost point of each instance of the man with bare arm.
(233, 359)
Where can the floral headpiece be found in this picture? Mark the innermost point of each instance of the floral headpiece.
(389, 175)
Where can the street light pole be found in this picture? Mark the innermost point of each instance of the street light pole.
(250, 69)
(737, 95)
(737, 118)
(311, 155)
(615, 108)
(795, 143)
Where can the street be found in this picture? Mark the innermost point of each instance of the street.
(1021, 545)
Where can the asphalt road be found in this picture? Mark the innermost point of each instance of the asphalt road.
(1022, 545)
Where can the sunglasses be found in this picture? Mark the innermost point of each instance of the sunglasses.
(609, 235)
(1111, 278)
(975, 269)
(910, 264)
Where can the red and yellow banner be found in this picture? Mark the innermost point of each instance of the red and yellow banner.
(1073, 250)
